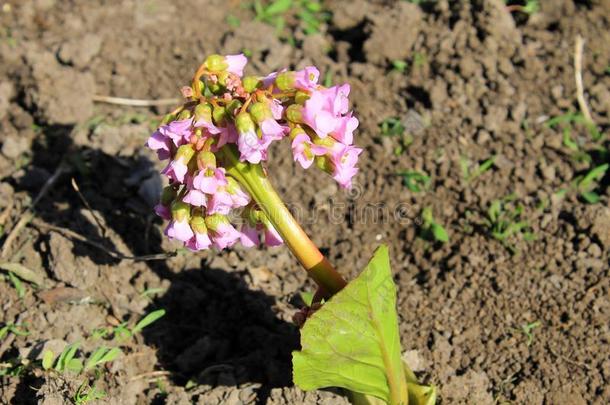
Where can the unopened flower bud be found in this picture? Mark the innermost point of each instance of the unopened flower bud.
(215, 221)
(301, 97)
(260, 112)
(206, 160)
(197, 223)
(222, 77)
(296, 131)
(294, 113)
(167, 119)
(168, 195)
(233, 186)
(244, 123)
(215, 88)
(324, 163)
(219, 114)
(185, 153)
(180, 211)
(203, 112)
(233, 106)
(285, 81)
(184, 114)
(216, 63)
(250, 83)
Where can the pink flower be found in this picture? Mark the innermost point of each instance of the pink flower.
(276, 109)
(227, 135)
(272, 237)
(160, 144)
(344, 159)
(163, 211)
(272, 130)
(252, 148)
(306, 79)
(196, 198)
(249, 236)
(225, 235)
(344, 132)
(236, 64)
(178, 131)
(200, 241)
(208, 181)
(317, 116)
(336, 99)
(179, 230)
(220, 203)
(177, 169)
(304, 150)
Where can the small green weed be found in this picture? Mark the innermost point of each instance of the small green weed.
(393, 127)
(415, 181)
(472, 171)
(432, 230)
(505, 220)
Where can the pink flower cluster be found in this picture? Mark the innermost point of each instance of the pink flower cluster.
(225, 110)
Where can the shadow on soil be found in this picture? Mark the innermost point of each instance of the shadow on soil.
(216, 331)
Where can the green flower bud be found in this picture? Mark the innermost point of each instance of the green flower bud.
(250, 83)
(216, 63)
(219, 113)
(206, 159)
(167, 119)
(215, 220)
(168, 195)
(251, 214)
(244, 123)
(233, 106)
(232, 186)
(222, 77)
(180, 211)
(215, 88)
(285, 81)
(301, 97)
(324, 163)
(184, 114)
(203, 112)
(260, 112)
(296, 131)
(185, 153)
(197, 223)
(293, 113)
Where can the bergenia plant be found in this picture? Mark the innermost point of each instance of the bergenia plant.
(216, 147)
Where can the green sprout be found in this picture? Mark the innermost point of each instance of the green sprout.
(503, 221)
(587, 183)
(399, 65)
(432, 230)
(233, 21)
(393, 127)
(86, 394)
(122, 331)
(309, 14)
(415, 181)
(528, 330)
(569, 119)
(15, 329)
(530, 7)
(471, 172)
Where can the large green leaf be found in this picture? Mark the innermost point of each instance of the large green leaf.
(353, 342)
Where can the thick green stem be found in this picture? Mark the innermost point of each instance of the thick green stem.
(253, 179)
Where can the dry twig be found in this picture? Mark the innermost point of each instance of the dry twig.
(115, 255)
(580, 93)
(135, 102)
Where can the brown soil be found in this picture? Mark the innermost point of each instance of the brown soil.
(480, 82)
